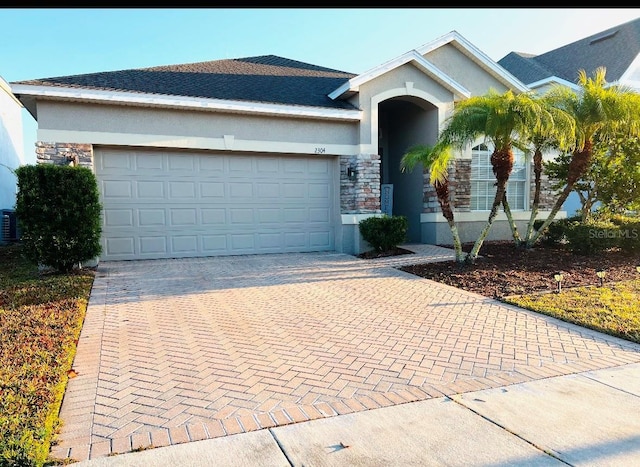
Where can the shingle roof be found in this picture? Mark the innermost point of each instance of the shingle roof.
(615, 49)
(267, 79)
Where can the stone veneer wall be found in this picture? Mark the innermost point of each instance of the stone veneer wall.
(460, 184)
(361, 195)
(459, 188)
(547, 194)
(64, 154)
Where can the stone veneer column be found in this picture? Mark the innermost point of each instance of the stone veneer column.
(459, 188)
(547, 194)
(460, 184)
(360, 195)
(65, 154)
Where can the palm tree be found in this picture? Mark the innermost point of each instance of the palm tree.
(502, 119)
(436, 159)
(601, 113)
(558, 136)
(505, 120)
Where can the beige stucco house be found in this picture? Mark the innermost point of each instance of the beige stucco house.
(270, 155)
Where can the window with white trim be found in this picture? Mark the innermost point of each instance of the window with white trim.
(483, 190)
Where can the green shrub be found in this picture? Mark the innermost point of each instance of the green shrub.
(592, 236)
(629, 237)
(58, 210)
(384, 233)
(555, 232)
(628, 229)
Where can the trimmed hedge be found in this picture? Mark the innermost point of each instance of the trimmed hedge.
(58, 210)
(594, 235)
(384, 233)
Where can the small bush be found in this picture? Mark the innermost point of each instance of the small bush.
(628, 229)
(384, 233)
(58, 210)
(592, 236)
(555, 232)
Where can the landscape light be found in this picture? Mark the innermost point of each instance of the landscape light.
(601, 275)
(558, 278)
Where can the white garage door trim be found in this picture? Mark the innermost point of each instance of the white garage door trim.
(162, 204)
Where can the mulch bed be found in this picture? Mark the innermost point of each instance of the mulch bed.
(504, 270)
(383, 254)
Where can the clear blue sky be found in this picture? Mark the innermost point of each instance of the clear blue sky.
(42, 43)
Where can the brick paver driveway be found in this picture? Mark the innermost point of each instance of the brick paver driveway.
(182, 350)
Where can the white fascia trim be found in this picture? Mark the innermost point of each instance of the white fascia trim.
(412, 56)
(480, 56)
(225, 143)
(554, 80)
(196, 103)
(6, 87)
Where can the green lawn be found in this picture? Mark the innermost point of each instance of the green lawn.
(40, 321)
(613, 309)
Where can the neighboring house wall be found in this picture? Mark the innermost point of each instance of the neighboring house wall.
(11, 145)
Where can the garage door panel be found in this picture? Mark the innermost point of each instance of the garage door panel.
(213, 217)
(211, 190)
(320, 239)
(149, 162)
(119, 247)
(183, 216)
(160, 204)
(150, 189)
(181, 162)
(153, 245)
(151, 217)
(116, 189)
(118, 217)
(319, 190)
(184, 244)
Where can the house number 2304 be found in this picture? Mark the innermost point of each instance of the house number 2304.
(320, 150)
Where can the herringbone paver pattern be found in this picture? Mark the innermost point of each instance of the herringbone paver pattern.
(183, 350)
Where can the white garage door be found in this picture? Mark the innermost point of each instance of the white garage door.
(159, 204)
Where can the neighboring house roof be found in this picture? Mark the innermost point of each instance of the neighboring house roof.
(617, 49)
(264, 79)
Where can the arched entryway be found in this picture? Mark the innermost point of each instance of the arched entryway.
(403, 122)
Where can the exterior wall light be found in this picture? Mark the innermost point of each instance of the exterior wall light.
(352, 173)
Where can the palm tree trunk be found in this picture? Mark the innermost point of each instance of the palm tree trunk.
(578, 166)
(502, 164)
(473, 254)
(512, 223)
(442, 193)
(537, 170)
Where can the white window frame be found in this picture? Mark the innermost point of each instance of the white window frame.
(482, 178)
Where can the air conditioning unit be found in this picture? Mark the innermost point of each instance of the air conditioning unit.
(9, 227)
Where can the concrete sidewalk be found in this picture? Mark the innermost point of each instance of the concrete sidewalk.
(588, 419)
